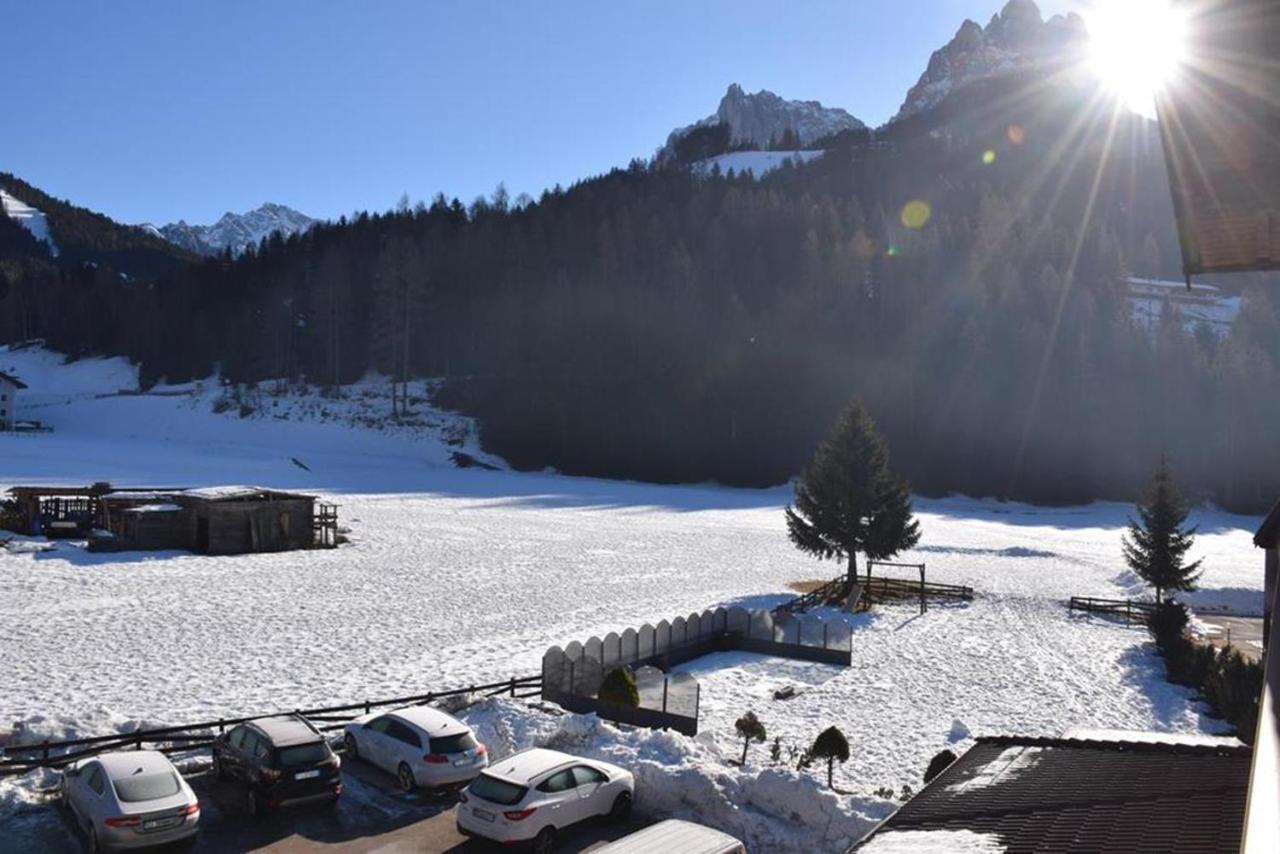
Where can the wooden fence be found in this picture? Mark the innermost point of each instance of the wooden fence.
(1130, 609)
(20, 758)
(878, 587)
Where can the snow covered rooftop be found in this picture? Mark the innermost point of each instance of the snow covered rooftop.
(1072, 795)
(230, 493)
(154, 508)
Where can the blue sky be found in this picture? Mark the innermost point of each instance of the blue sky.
(155, 111)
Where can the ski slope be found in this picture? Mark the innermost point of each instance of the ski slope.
(457, 576)
(29, 218)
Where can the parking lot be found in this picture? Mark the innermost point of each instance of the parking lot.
(372, 815)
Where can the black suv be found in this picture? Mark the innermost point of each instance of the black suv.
(283, 760)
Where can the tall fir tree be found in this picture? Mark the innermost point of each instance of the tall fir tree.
(848, 500)
(1157, 543)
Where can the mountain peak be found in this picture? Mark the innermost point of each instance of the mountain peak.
(756, 119)
(1015, 37)
(235, 231)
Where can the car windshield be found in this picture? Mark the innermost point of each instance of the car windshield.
(303, 754)
(452, 743)
(147, 787)
(496, 791)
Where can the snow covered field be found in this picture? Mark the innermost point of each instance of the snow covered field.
(458, 576)
(29, 218)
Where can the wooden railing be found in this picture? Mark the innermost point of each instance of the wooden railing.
(1129, 608)
(18, 759)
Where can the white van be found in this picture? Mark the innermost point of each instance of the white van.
(673, 835)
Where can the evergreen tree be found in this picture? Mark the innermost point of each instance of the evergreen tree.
(619, 686)
(830, 745)
(1156, 546)
(750, 729)
(848, 500)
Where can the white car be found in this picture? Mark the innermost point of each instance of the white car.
(422, 746)
(130, 799)
(530, 796)
(674, 835)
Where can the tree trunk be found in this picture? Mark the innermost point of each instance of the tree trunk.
(746, 742)
(831, 765)
(853, 565)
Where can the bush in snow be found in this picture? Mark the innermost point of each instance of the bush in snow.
(830, 745)
(939, 763)
(619, 686)
(749, 729)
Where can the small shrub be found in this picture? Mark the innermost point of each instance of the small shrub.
(619, 686)
(246, 410)
(749, 729)
(884, 792)
(222, 404)
(939, 763)
(775, 751)
(906, 793)
(830, 745)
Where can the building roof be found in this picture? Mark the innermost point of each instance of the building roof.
(1268, 533)
(1086, 795)
(237, 493)
(673, 835)
(12, 379)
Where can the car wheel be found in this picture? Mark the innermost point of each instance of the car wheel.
(404, 774)
(545, 841)
(349, 742)
(252, 804)
(219, 770)
(621, 809)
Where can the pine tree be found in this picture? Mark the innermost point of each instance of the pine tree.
(619, 686)
(750, 729)
(848, 500)
(830, 745)
(1156, 546)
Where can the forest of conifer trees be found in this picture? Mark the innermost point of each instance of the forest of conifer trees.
(650, 324)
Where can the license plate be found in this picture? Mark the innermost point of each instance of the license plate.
(466, 760)
(307, 775)
(483, 815)
(157, 823)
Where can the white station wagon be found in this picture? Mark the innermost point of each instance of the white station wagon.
(422, 746)
(130, 799)
(530, 796)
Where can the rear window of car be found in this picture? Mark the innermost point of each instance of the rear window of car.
(303, 754)
(452, 743)
(147, 787)
(496, 791)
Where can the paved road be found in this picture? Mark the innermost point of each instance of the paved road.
(371, 816)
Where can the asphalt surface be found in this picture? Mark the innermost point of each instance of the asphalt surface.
(1243, 633)
(372, 815)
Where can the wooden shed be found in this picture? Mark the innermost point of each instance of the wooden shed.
(238, 519)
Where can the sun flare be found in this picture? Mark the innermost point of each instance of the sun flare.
(1134, 48)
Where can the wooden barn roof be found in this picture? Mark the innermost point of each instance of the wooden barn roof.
(1220, 126)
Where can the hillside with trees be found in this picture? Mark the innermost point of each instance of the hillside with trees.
(963, 277)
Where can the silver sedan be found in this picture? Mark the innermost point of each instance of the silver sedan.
(129, 799)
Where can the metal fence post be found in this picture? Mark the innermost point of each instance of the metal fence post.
(664, 694)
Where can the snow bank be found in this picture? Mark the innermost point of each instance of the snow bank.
(777, 810)
(933, 842)
(29, 218)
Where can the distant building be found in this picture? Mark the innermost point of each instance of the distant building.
(1118, 792)
(1199, 305)
(9, 388)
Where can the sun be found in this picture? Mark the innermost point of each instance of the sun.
(1135, 46)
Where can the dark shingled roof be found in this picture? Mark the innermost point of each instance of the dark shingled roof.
(1072, 795)
(11, 378)
(1269, 533)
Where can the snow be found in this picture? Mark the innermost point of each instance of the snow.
(29, 218)
(757, 163)
(1011, 762)
(455, 577)
(1188, 739)
(933, 842)
(1201, 305)
(155, 508)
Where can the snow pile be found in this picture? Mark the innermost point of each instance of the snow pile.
(29, 218)
(754, 163)
(1189, 739)
(777, 810)
(933, 842)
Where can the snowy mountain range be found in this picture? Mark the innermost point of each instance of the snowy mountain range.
(760, 118)
(234, 231)
(1016, 39)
